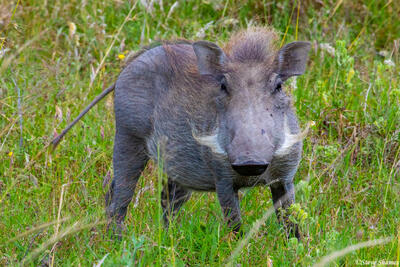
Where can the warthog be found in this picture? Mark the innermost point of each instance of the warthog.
(218, 118)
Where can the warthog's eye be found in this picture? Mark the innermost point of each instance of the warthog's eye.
(278, 85)
(223, 86)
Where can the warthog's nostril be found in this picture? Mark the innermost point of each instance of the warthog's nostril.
(250, 168)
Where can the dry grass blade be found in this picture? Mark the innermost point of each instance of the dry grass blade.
(111, 45)
(76, 227)
(7, 61)
(171, 10)
(287, 26)
(37, 228)
(101, 261)
(21, 140)
(254, 229)
(58, 220)
(297, 20)
(335, 9)
(5, 138)
(34, 159)
(12, 16)
(371, 243)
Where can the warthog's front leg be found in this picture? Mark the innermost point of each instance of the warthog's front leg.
(283, 197)
(229, 201)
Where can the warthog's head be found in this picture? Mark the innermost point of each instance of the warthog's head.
(254, 113)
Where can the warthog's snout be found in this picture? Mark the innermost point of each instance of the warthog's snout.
(250, 168)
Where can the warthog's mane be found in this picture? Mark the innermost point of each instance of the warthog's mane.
(132, 56)
(255, 44)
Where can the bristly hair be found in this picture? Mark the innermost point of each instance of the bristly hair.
(255, 44)
(133, 55)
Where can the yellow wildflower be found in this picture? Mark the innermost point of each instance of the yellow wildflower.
(350, 75)
(72, 29)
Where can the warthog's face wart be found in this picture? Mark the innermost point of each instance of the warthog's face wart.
(251, 105)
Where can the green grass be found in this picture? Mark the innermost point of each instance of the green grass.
(348, 181)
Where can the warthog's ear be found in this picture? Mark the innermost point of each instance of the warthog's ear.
(210, 57)
(292, 59)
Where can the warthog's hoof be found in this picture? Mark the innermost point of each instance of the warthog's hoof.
(116, 229)
(292, 230)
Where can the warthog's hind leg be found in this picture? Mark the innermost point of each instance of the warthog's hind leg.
(129, 161)
(173, 197)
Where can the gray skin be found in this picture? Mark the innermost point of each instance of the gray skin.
(218, 122)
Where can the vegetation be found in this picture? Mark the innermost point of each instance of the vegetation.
(56, 56)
